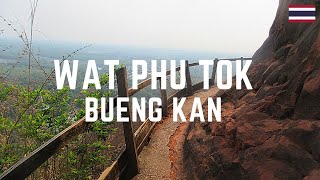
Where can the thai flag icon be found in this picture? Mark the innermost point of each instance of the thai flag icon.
(302, 13)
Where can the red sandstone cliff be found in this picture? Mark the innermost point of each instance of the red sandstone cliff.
(272, 131)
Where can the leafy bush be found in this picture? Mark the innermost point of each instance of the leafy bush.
(30, 117)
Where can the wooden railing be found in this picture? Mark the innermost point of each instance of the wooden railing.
(135, 141)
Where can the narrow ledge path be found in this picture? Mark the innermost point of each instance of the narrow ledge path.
(161, 158)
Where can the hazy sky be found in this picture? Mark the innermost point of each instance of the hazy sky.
(237, 26)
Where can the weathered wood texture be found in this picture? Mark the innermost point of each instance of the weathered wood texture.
(177, 94)
(23, 168)
(117, 169)
(143, 133)
(198, 86)
(131, 149)
(214, 71)
(141, 85)
(193, 64)
(164, 100)
(188, 79)
(234, 59)
(242, 62)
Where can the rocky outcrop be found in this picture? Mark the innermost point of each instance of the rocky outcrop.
(272, 131)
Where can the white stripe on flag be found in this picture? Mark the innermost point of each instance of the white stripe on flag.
(302, 9)
(302, 18)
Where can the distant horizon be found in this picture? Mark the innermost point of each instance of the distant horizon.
(210, 25)
(84, 43)
(58, 41)
(75, 45)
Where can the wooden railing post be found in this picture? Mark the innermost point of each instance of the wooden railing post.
(242, 63)
(131, 149)
(188, 79)
(214, 71)
(164, 99)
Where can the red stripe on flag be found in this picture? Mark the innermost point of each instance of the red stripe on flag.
(301, 21)
(301, 6)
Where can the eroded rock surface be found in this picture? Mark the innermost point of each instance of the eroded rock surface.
(272, 131)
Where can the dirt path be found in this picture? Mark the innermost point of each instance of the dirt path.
(162, 158)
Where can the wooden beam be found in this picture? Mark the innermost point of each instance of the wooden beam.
(214, 71)
(168, 72)
(242, 62)
(194, 64)
(198, 86)
(234, 59)
(23, 168)
(164, 99)
(143, 133)
(117, 169)
(131, 149)
(177, 94)
(141, 85)
(188, 79)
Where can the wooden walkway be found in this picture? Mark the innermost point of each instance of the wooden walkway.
(154, 160)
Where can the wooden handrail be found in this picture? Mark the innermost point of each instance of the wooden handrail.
(141, 85)
(27, 165)
(234, 59)
(194, 64)
(23, 168)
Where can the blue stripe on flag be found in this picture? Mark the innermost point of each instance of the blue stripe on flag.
(302, 13)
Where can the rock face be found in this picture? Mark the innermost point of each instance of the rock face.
(273, 131)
